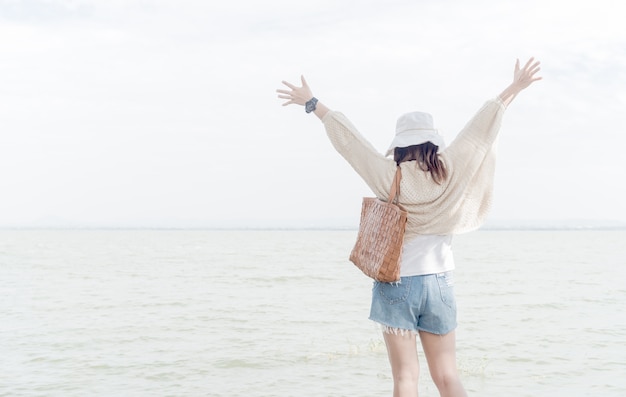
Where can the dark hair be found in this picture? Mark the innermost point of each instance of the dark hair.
(426, 154)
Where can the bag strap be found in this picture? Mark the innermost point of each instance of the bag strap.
(395, 186)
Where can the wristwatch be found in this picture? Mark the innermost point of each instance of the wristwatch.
(309, 106)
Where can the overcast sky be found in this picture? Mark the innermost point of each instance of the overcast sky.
(122, 113)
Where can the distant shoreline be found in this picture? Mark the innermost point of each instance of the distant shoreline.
(487, 228)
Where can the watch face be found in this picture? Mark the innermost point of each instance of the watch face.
(310, 105)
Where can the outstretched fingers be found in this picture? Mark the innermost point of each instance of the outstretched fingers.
(532, 67)
(528, 72)
(288, 84)
(533, 71)
(529, 62)
(283, 92)
(286, 94)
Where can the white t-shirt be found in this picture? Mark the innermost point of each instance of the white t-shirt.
(426, 254)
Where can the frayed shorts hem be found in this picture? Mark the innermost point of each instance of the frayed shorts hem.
(387, 329)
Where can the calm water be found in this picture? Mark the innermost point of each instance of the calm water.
(283, 313)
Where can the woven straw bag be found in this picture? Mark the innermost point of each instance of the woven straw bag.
(381, 232)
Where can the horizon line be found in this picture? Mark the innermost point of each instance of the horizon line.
(299, 228)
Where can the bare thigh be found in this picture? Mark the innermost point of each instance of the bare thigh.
(402, 351)
(440, 351)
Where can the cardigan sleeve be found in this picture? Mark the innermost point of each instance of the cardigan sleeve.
(375, 169)
(478, 137)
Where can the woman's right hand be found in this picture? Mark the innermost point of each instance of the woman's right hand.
(300, 96)
(296, 95)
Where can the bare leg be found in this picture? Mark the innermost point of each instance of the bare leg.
(402, 350)
(440, 351)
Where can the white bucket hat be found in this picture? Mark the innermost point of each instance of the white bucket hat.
(415, 128)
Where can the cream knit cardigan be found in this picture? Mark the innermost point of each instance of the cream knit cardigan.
(461, 203)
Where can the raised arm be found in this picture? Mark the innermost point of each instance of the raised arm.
(300, 96)
(522, 78)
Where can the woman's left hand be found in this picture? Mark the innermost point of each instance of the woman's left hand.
(297, 95)
(522, 78)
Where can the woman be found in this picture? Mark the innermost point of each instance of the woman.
(445, 191)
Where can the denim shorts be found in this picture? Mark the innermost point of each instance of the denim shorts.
(416, 303)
